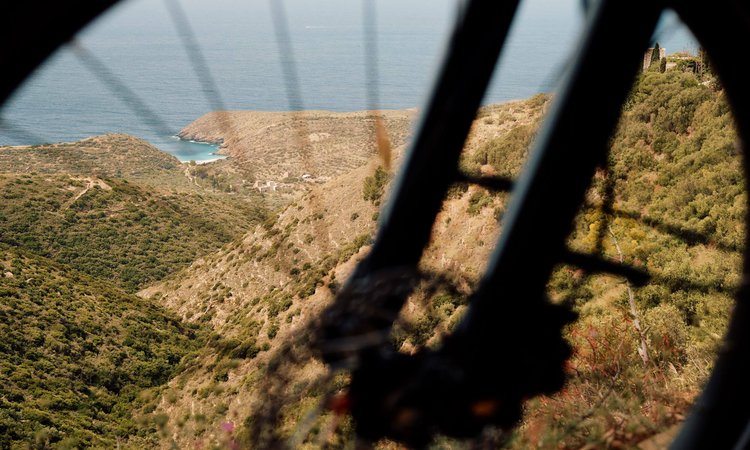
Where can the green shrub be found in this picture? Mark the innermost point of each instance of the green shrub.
(478, 201)
(374, 185)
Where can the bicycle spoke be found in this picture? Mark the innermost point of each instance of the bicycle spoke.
(203, 73)
(408, 218)
(712, 423)
(372, 79)
(687, 236)
(286, 55)
(498, 184)
(595, 264)
(534, 231)
(567, 152)
(291, 77)
(197, 60)
(608, 197)
(120, 90)
(18, 133)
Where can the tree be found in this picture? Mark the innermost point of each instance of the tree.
(705, 67)
(653, 65)
(655, 54)
(663, 65)
(374, 185)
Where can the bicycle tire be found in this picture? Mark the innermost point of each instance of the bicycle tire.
(712, 423)
(26, 47)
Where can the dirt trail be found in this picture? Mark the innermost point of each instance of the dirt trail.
(90, 184)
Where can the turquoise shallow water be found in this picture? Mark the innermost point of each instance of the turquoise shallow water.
(191, 150)
(138, 43)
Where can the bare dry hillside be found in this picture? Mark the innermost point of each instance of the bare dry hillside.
(282, 147)
(261, 293)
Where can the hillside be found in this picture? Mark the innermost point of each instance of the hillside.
(282, 147)
(78, 356)
(677, 211)
(678, 207)
(670, 201)
(318, 225)
(126, 214)
(132, 159)
(116, 230)
(263, 290)
(112, 156)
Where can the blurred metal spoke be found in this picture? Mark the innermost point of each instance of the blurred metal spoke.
(18, 133)
(120, 90)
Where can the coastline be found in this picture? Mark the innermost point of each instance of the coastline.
(198, 141)
(200, 151)
(205, 161)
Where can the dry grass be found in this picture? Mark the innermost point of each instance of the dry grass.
(282, 147)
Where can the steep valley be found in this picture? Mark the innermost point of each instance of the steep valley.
(265, 291)
(240, 256)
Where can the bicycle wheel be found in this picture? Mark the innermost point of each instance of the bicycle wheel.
(393, 395)
(60, 23)
(542, 196)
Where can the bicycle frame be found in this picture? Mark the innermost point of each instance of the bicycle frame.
(571, 145)
(712, 424)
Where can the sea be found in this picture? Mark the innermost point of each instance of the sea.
(150, 67)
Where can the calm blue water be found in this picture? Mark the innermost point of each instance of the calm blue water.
(137, 41)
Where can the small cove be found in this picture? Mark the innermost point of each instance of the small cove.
(186, 150)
